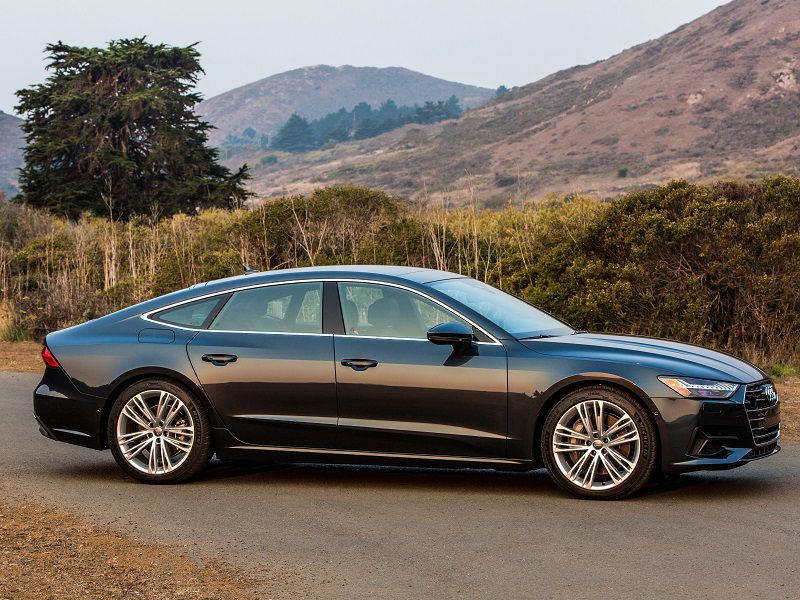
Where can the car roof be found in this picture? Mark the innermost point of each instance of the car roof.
(382, 272)
(377, 273)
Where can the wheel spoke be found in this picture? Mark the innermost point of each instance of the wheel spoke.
(623, 421)
(592, 471)
(162, 405)
(625, 438)
(174, 409)
(598, 413)
(583, 413)
(576, 469)
(133, 452)
(144, 409)
(130, 412)
(613, 472)
(166, 463)
(180, 430)
(183, 446)
(569, 432)
(623, 462)
(133, 436)
(567, 447)
(152, 459)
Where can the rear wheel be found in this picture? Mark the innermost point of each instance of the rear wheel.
(159, 433)
(599, 443)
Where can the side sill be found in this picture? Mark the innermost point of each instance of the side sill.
(387, 455)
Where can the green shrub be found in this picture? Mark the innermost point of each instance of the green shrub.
(712, 264)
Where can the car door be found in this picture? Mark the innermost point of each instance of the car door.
(400, 393)
(267, 366)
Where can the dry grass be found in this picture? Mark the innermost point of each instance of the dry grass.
(789, 392)
(21, 356)
(52, 554)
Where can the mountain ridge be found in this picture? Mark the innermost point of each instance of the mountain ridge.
(717, 97)
(315, 91)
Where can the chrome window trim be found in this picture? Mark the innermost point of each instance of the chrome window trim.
(147, 316)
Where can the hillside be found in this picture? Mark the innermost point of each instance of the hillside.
(312, 92)
(717, 97)
(10, 152)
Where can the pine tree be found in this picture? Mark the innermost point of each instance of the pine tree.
(112, 131)
(296, 135)
(453, 107)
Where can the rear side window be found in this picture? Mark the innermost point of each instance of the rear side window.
(287, 308)
(192, 315)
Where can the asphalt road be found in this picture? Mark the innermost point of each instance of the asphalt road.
(355, 532)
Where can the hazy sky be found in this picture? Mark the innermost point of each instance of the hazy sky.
(482, 42)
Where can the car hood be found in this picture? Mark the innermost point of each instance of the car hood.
(671, 358)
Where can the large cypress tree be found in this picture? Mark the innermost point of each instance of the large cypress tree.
(113, 131)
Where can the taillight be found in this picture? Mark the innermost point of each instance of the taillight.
(48, 358)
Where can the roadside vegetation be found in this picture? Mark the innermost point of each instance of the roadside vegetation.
(710, 264)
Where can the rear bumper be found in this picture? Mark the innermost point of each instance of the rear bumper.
(66, 415)
(706, 435)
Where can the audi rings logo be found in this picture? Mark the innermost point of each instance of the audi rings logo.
(770, 393)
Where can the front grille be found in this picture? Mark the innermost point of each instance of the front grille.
(758, 398)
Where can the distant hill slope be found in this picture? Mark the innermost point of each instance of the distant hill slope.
(716, 97)
(10, 153)
(313, 92)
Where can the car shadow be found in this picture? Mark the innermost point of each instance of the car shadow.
(381, 477)
(689, 487)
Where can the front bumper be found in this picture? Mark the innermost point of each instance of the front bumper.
(66, 415)
(706, 435)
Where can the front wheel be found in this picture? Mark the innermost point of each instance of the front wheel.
(159, 433)
(599, 443)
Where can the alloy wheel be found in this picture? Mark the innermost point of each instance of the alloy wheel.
(155, 432)
(596, 445)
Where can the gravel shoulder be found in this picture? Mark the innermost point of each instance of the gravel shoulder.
(47, 553)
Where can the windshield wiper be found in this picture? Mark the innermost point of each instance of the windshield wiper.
(540, 337)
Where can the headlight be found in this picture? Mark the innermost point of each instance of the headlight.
(699, 388)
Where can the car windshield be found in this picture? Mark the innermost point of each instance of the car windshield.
(518, 318)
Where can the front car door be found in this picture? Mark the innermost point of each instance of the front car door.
(400, 393)
(267, 366)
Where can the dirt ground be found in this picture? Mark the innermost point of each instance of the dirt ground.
(24, 357)
(52, 554)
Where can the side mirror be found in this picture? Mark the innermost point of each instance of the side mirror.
(451, 334)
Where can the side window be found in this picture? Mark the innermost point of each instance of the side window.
(193, 314)
(385, 311)
(288, 308)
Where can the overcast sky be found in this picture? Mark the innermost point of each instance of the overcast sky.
(482, 42)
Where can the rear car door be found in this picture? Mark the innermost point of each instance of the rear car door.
(267, 366)
(400, 393)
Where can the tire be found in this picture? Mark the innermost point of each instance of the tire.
(158, 432)
(592, 464)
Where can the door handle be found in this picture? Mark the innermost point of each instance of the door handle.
(220, 360)
(359, 364)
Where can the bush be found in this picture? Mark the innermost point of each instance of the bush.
(710, 264)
